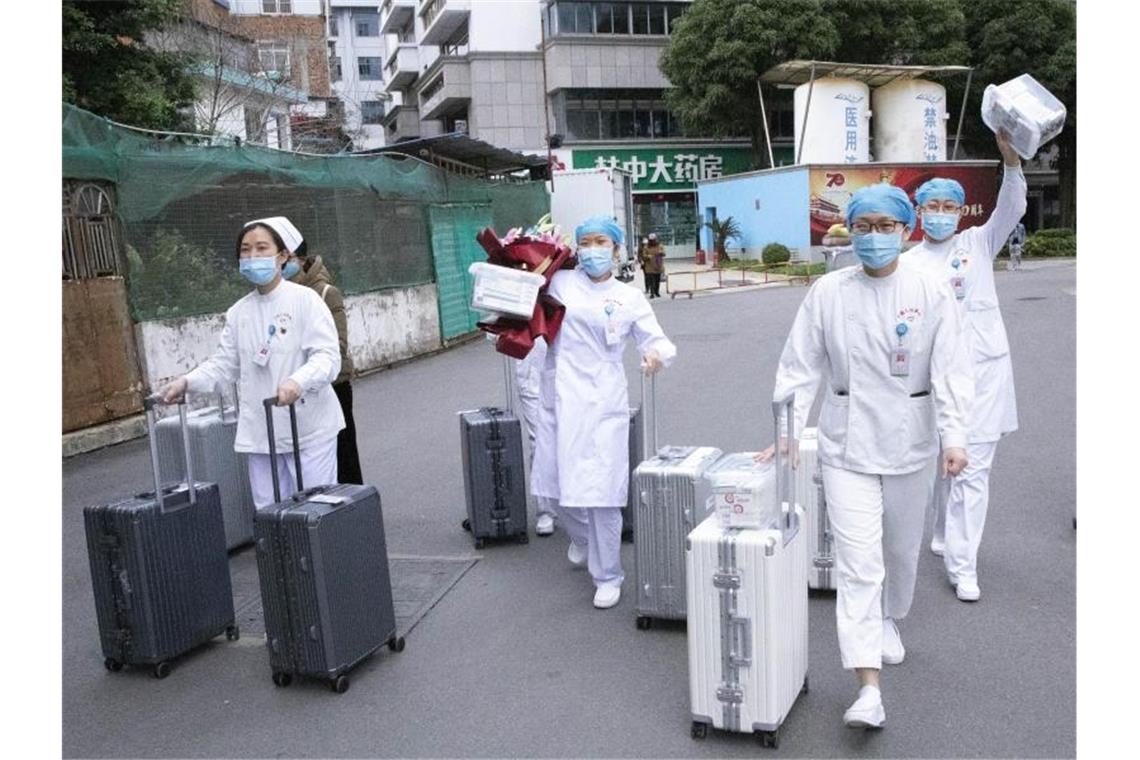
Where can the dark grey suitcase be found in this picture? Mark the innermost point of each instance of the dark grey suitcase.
(212, 432)
(322, 563)
(159, 569)
(494, 477)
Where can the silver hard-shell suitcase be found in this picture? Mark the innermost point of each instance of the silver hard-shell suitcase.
(672, 497)
(211, 434)
(748, 619)
(322, 564)
(159, 570)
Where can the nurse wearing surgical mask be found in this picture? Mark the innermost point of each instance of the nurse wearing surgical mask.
(581, 457)
(887, 344)
(964, 260)
(278, 341)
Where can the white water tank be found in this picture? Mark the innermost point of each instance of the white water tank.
(910, 121)
(837, 128)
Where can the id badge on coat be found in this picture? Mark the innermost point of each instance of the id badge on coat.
(261, 357)
(900, 362)
(612, 336)
(959, 285)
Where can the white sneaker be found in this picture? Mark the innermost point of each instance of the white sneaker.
(968, 591)
(867, 711)
(576, 554)
(937, 547)
(893, 650)
(544, 526)
(607, 596)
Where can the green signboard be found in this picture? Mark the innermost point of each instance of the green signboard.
(663, 169)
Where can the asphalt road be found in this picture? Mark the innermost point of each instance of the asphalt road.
(515, 661)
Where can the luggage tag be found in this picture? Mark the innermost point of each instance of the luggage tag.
(900, 357)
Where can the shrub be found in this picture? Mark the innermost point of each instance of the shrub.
(1054, 242)
(775, 253)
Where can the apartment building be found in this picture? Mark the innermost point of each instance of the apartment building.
(356, 68)
(511, 72)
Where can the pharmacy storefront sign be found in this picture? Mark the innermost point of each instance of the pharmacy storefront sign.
(667, 169)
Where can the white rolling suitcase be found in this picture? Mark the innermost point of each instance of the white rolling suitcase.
(747, 619)
(809, 489)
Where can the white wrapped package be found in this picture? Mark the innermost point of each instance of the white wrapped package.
(506, 291)
(744, 492)
(1027, 111)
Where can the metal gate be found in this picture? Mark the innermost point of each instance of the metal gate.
(453, 247)
(101, 378)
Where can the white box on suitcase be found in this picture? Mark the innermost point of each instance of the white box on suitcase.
(810, 495)
(747, 625)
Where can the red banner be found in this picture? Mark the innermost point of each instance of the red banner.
(830, 187)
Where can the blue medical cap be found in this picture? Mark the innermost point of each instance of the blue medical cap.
(603, 224)
(942, 189)
(881, 199)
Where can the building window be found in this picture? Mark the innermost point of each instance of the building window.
(611, 18)
(456, 46)
(254, 125)
(575, 18)
(276, 6)
(335, 68)
(371, 111)
(274, 58)
(617, 115)
(334, 26)
(369, 68)
(367, 23)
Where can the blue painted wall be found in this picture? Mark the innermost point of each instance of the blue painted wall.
(771, 208)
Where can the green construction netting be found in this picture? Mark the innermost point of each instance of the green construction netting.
(182, 203)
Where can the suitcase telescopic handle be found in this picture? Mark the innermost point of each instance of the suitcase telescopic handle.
(785, 478)
(648, 410)
(149, 403)
(269, 404)
(509, 382)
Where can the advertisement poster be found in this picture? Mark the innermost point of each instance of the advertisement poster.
(830, 187)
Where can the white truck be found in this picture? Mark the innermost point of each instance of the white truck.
(581, 193)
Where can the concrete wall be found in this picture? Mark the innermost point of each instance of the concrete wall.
(600, 62)
(383, 327)
(507, 100)
(770, 207)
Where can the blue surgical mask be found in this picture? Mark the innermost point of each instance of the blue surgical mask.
(260, 270)
(596, 260)
(939, 226)
(289, 271)
(877, 249)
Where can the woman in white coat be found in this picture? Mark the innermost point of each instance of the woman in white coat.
(965, 260)
(581, 457)
(888, 342)
(278, 341)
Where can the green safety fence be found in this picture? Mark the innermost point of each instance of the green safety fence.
(181, 202)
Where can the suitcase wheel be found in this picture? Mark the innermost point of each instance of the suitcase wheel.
(396, 643)
(233, 633)
(699, 730)
(466, 524)
(769, 738)
(627, 536)
(339, 684)
(643, 624)
(523, 538)
(282, 679)
(162, 669)
(112, 665)
(479, 543)
(804, 689)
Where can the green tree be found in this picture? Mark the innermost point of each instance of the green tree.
(900, 32)
(108, 68)
(1012, 37)
(719, 49)
(723, 230)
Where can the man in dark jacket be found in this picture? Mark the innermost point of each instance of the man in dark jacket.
(311, 271)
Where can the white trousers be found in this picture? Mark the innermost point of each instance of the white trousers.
(318, 468)
(877, 522)
(960, 507)
(528, 415)
(599, 530)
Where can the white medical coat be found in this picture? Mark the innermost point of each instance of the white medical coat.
(303, 347)
(844, 335)
(581, 455)
(994, 411)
